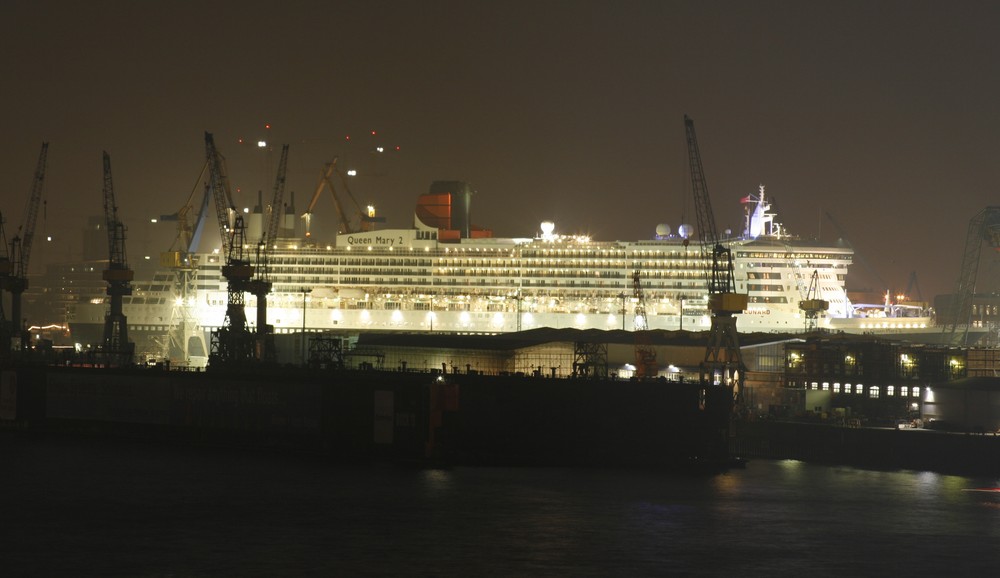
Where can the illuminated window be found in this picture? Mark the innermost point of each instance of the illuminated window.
(904, 391)
(873, 392)
(847, 388)
(916, 392)
(890, 390)
(815, 385)
(836, 387)
(826, 386)
(859, 389)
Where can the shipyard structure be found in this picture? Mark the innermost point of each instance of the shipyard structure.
(543, 397)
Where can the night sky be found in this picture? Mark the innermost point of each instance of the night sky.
(884, 114)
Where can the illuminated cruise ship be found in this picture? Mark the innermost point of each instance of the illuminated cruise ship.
(446, 275)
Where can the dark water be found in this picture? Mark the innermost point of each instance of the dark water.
(97, 507)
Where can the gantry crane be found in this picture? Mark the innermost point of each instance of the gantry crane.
(366, 217)
(260, 285)
(232, 343)
(723, 364)
(118, 350)
(984, 226)
(16, 281)
(645, 353)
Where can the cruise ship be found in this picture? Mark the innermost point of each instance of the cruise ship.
(445, 274)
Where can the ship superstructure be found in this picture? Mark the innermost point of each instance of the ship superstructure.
(439, 277)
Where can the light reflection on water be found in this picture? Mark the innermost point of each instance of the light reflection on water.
(135, 509)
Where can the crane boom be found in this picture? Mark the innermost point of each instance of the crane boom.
(116, 240)
(277, 199)
(219, 180)
(324, 181)
(31, 215)
(702, 203)
(721, 278)
(366, 217)
(187, 237)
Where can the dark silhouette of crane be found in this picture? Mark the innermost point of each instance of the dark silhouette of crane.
(723, 363)
(16, 280)
(260, 285)
(117, 350)
(233, 343)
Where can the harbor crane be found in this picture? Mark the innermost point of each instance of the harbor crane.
(118, 351)
(812, 306)
(16, 279)
(232, 343)
(184, 338)
(645, 353)
(260, 285)
(366, 217)
(723, 363)
(984, 226)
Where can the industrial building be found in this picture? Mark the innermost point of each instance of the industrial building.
(865, 378)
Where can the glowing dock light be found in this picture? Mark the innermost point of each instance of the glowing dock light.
(261, 144)
(352, 173)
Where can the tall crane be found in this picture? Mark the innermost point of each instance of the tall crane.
(118, 350)
(232, 343)
(260, 285)
(645, 354)
(723, 364)
(16, 281)
(184, 337)
(984, 226)
(366, 217)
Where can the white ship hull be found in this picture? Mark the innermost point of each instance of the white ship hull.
(409, 280)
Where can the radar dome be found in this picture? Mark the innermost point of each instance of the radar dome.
(548, 227)
(662, 230)
(685, 231)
